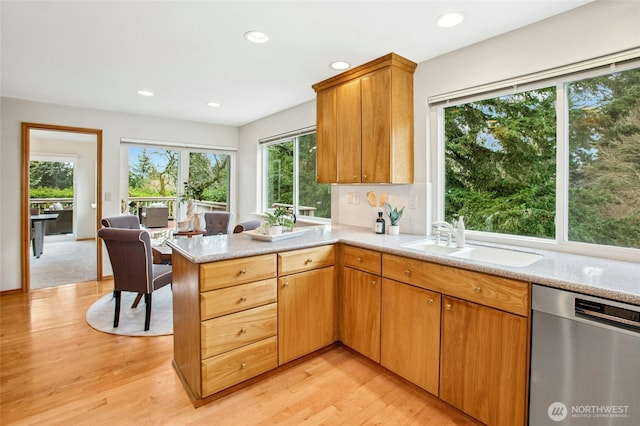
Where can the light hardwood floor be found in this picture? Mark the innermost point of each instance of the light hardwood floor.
(55, 369)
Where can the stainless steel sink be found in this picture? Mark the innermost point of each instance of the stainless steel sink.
(498, 256)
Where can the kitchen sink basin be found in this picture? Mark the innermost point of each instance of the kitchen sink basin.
(498, 256)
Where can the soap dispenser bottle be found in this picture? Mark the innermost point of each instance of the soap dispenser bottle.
(380, 224)
(460, 232)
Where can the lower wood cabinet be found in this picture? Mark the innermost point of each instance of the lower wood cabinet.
(360, 312)
(229, 368)
(306, 313)
(483, 369)
(410, 334)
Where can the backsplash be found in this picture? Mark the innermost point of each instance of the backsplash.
(351, 207)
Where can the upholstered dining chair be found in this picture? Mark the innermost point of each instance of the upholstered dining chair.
(133, 268)
(218, 222)
(126, 222)
(246, 226)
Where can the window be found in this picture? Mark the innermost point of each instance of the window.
(210, 172)
(156, 174)
(560, 162)
(290, 175)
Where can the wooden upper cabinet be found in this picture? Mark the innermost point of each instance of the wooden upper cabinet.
(326, 166)
(365, 123)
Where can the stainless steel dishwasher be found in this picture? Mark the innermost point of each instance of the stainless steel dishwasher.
(585, 360)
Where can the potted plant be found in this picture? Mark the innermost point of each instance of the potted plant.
(394, 217)
(278, 219)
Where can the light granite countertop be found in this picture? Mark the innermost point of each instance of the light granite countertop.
(611, 279)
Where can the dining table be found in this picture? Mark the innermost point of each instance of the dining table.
(37, 228)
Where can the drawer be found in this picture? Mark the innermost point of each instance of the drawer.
(496, 292)
(362, 259)
(227, 273)
(228, 369)
(228, 300)
(235, 330)
(290, 262)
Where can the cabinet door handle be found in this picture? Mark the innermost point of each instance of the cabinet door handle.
(447, 306)
(407, 273)
(243, 271)
(243, 330)
(373, 282)
(478, 289)
(243, 299)
(430, 301)
(243, 365)
(308, 261)
(285, 284)
(364, 177)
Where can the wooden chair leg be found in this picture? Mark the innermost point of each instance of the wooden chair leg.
(116, 317)
(147, 314)
(136, 301)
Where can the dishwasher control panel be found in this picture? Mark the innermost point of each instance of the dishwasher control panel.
(609, 313)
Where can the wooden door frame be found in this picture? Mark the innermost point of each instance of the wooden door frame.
(25, 226)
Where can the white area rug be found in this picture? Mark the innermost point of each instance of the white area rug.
(100, 314)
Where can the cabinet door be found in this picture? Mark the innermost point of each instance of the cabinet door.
(360, 312)
(305, 313)
(326, 155)
(410, 334)
(348, 132)
(483, 368)
(376, 126)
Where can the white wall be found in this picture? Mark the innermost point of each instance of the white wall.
(597, 29)
(114, 125)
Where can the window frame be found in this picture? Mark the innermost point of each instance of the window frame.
(184, 152)
(264, 144)
(561, 241)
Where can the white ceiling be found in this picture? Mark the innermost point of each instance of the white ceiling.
(97, 54)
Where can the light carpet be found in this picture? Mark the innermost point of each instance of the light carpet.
(100, 314)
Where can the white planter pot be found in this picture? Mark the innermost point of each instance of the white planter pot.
(274, 230)
(394, 229)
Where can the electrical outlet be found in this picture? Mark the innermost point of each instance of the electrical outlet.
(349, 197)
(413, 201)
(356, 198)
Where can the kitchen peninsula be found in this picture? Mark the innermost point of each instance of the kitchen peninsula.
(244, 307)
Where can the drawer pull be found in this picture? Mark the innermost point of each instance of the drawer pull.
(430, 301)
(243, 271)
(308, 261)
(447, 306)
(407, 273)
(243, 299)
(243, 365)
(478, 289)
(243, 330)
(359, 260)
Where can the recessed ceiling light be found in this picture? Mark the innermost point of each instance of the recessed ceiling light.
(145, 93)
(214, 104)
(256, 37)
(450, 19)
(340, 65)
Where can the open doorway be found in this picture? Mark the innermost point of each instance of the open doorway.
(65, 249)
